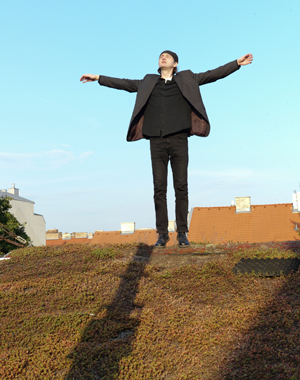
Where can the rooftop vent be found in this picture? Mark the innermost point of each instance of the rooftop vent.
(171, 226)
(243, 204)
(127, 228)
(66, 236)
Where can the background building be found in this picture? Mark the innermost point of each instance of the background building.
(23, 210)
(240, 222)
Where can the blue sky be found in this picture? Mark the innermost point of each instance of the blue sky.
(63, 143)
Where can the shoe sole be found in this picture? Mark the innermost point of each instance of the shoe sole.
(183, 245)
(162, 246)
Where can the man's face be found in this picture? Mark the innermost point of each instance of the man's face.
(166, 61)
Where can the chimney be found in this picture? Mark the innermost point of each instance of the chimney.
(242, 204)
(296, 201)
(13, 190)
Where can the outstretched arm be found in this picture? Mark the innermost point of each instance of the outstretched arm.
(245, 60)
(118, 83)
(89, 78)
(222, 71)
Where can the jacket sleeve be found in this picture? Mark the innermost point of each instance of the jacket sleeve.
(119, 84)
(219, 73)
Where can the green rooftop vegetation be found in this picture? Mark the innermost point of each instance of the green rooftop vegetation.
(131, 312)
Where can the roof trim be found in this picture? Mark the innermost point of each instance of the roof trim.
(4, 194)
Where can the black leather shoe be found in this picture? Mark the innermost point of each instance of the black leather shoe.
(162, 240)
(182, 240)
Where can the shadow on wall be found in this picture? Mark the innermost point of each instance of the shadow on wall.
(108, 340)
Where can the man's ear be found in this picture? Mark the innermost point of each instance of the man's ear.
(175, 64)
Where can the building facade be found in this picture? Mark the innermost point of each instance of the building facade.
(23, 210)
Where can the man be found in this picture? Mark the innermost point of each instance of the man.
(167, 111)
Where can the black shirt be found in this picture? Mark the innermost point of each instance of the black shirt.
(167, 111)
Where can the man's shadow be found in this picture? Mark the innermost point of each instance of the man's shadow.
(105, 342)
(270, 348)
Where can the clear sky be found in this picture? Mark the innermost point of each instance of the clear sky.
(63, 143)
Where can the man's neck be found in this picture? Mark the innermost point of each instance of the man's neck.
(166, 73)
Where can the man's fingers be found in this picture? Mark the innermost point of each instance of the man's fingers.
(89, 78)
(86, 78)
(246, 59)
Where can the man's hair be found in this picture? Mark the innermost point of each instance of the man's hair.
(174, 70)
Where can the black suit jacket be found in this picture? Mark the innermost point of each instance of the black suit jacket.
(188, 83)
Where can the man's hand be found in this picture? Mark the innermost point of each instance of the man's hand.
(89, 78)
(245, 60)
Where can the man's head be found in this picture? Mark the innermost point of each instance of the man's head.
(168, 60)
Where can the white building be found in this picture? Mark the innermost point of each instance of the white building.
(23, 210)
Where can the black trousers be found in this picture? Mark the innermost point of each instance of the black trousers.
(175, 149)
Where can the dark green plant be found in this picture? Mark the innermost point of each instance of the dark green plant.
(11, 223)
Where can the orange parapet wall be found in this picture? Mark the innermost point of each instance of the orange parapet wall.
(148, 236)
(263, 223)
(139, 236)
